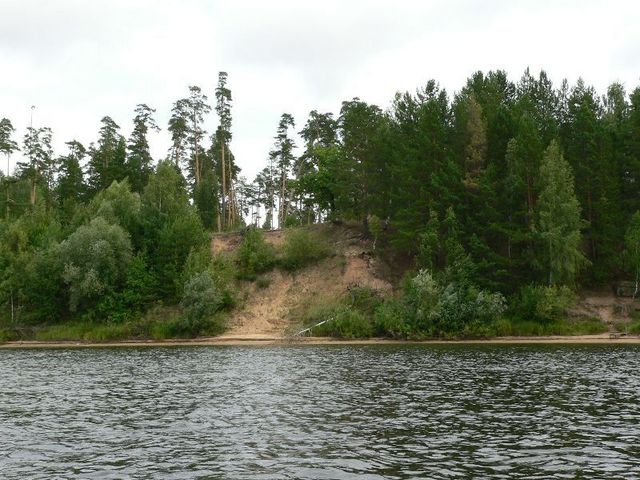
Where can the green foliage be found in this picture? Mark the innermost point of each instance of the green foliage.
(530, 328)
(345, 322)
(456, 185)
(390, 319)
(301, 248)
(201, 300)
(542, 304)
(254, 255)
(221, 269)
(174, 241)
(632, 247)
(118, 205)
(96, 258)
(559, 218)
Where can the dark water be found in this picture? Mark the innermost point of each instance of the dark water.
(342, 412)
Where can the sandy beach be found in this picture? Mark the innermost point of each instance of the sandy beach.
(256, 340)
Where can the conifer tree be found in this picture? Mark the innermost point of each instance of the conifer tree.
(282, 159)
(7, 147)
(38, 168)
(222, 138)
(107, 159)
(139, 163)
(70, 184)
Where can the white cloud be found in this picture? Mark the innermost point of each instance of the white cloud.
(78, 60)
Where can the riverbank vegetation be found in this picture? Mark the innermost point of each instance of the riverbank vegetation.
(491, 207)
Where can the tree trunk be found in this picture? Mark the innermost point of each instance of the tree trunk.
(32, 196)
(232, 196)
(530, 204)
(224, 182)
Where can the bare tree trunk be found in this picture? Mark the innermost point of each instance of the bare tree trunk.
(7, 207)
(224, 182)
(282, 209)
(32, 196)
(232, 195)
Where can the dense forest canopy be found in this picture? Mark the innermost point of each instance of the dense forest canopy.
(516, 183)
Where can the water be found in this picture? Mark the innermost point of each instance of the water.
(369, 412)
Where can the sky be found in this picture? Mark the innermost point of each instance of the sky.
(79, 60)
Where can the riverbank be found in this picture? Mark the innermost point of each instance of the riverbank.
(256, 340)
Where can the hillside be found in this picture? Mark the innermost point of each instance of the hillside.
(275, 306)
(273, 310)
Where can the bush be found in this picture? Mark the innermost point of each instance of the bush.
(542, 304)
(301, 249)
(254, 255)
(458, 309)
(220, 268)
(345, 322)
(263, 282)
(364, 299)
(390, 319)
(201, 299)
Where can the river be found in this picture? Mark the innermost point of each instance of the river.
(307, 412)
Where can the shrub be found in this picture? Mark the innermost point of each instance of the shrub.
(345, 322)
(542, 304)
(390, 319)
(220, 268)
(365, 299)
(457, 309)
(200, 301)
(254, 255)
(301, 249)
(263, 282)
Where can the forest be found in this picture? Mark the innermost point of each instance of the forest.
(497, 202)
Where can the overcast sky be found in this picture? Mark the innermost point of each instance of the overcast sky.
(78, 60)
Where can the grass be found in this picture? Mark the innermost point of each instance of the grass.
(302, 248)
(566, 327)
(159, 323)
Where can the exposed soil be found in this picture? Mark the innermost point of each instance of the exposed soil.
(613, 310)
(272, 310)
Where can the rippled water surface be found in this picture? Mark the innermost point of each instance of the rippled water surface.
(321, 412)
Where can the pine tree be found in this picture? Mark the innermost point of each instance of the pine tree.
(139, 163)
(360, 127)
(38, 168)
(282, 158)
(222, 138)
(70, 184)
(7, 146)
(524, 153)
(107, 159)
(476, 146)
(185, 125)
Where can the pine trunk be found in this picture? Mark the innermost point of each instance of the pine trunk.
(224, 184)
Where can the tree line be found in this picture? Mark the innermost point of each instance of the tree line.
(516, 183)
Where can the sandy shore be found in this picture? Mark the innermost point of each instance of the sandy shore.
(255, 340)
